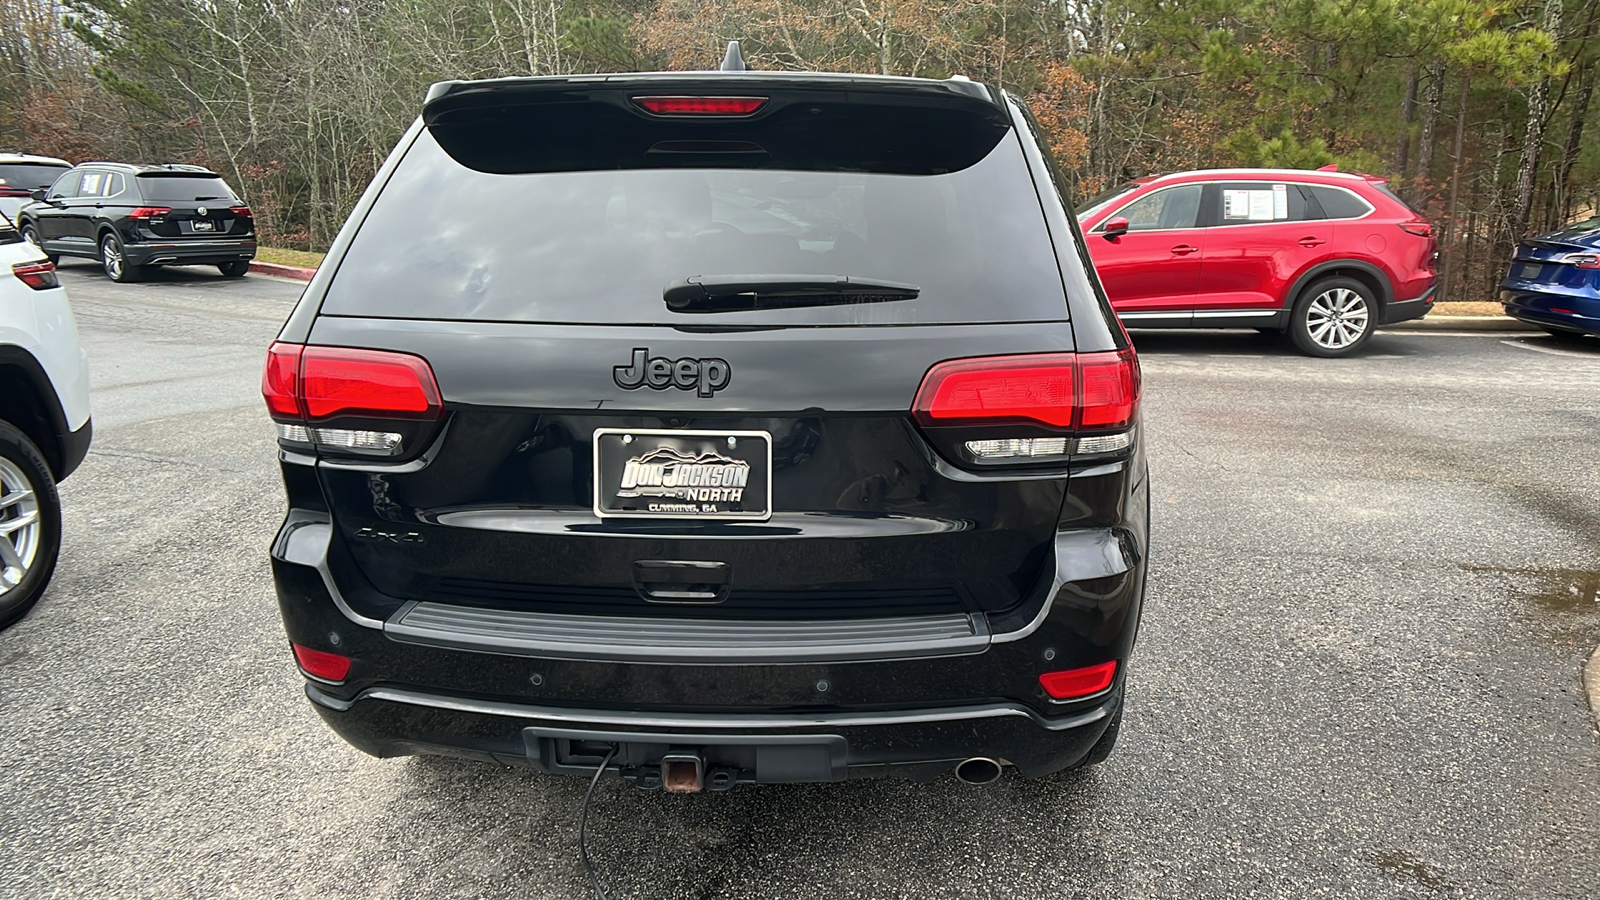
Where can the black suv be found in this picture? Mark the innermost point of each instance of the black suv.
(714, 428)
(133, 217)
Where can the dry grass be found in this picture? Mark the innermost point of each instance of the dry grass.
(1467, 308)
(302, 258)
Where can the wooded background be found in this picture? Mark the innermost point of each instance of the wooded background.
(1476, 109)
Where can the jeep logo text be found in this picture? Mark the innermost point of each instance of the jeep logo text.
(703, 376)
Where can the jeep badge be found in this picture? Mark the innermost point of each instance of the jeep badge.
(704, 376)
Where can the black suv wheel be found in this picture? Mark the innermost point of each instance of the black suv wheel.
(31, 235)
(115, 261)
(30, 524)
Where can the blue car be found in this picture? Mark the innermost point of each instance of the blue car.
(1554, 281)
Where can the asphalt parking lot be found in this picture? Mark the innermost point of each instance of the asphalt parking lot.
(1373, 589)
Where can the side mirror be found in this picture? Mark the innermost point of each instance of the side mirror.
(1115, 227)
(40, 194)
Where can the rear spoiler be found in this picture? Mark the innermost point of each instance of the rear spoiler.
(1370, 179)
(802, 121)
(509, 87)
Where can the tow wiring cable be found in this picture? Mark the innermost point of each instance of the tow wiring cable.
(583, 822)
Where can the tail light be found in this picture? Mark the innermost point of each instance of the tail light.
(701, 106)
(1417, 227)
(1034, 408)
(8, 191)
(242, 212)
(38, 275)
(1073, 684)
(149, 212)
(320, 664)
(1581, 260)
(344, 400)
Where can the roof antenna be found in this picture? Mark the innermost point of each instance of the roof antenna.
(733, 61)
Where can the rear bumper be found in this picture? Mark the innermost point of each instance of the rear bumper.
(74, 447)
(803, 700)
(1406, 310)
(183, 253)
(769, 748)
(1567, 312)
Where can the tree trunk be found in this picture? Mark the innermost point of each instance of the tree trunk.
(1408, 117)
(1455, 192)
(1330, 134)
(1468, 258)
(1528, 164)
(1533, 134)
(1580, 112)
(1430, 126)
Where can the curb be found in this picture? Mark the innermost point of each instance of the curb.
(295, 272)
(1460, 323)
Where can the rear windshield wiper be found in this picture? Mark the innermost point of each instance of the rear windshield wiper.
(736, 293)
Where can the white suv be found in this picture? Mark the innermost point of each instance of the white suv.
(44, 418)
(23, 173)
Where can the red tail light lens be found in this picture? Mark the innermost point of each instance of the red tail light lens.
(701, 106)
(1074, 683)
(307, 386)
(280, 383)
(999, 389)
(338, 381)
(149, 212)
(1110, 389)
(314, 383)
(1062, 390)
(240, 211)
(1417, 227)
(1581, 260)
(37, 275)
(320, 664)
(6, 191)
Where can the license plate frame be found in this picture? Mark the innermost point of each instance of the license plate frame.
(1530, 270)
(716, 490)
(205, 226)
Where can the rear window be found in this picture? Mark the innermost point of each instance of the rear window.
(445, 241)
(184, 188)
(1101, 200)
(29, 177)
(1338, 203)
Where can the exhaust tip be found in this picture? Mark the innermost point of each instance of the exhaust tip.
(978, 770)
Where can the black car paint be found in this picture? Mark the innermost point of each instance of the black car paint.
(75, 226)
(1056, 591)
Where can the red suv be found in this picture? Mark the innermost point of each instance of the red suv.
(1326, 256)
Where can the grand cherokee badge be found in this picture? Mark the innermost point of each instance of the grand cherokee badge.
(704, 376)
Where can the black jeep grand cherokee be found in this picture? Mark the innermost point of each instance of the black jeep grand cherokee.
(725, 427)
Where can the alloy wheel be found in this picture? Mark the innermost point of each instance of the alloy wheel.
(111, 256)
(1337, 318)
(20, 528)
